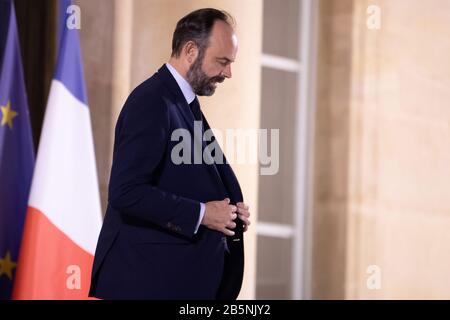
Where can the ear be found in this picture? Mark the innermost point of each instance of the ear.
(190, 51)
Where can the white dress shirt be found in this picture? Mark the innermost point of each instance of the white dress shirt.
(189, 95)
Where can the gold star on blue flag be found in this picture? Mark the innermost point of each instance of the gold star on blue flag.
(7, 266)
(8, 115)
(16, 148)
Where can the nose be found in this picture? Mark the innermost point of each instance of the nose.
(227, 71)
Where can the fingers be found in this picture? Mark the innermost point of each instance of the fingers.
(231, 225)
(242, 205)
(239, 210)
(243, 212)
(245, 221)
(244, 216)
(243, 209)
(227, 232)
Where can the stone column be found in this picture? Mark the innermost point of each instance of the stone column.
(382, 212)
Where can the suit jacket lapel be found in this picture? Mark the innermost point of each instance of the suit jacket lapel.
(180, 101)
(226, 173)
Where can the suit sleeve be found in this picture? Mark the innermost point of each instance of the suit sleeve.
(142, 135)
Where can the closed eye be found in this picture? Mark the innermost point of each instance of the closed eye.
(224, 61)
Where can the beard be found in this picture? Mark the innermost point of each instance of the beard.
(201, 83)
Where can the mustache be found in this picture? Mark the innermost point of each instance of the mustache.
(218, 79)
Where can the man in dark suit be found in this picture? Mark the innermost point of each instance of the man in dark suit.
(173, 230)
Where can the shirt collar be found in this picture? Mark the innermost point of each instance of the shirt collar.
(185, 87)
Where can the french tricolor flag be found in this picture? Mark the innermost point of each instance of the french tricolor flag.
(64, 216)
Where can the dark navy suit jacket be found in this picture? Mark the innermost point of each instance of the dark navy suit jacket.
(147, 247)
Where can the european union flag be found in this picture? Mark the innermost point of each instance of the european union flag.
(16, 148)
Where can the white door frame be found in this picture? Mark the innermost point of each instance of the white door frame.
(301, 230)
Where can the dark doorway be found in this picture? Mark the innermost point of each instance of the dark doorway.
(37, 25)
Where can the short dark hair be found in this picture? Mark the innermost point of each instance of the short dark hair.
(197, 26)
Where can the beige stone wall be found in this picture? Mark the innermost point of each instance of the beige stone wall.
(98, 69)
(126, 41)
(331, 150)
(382, 192)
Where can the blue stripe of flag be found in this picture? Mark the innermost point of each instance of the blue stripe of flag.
(69, 69)
(16, 148)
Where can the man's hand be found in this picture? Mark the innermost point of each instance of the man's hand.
(219, 215)
(243, 214)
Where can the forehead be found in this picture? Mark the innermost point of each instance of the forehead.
(223, 41)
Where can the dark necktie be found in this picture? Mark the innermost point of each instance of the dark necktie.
(195, 107)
